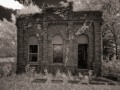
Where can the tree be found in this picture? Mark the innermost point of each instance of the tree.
(29, 8)
(8, 38)
(111, 17)
(8, 30)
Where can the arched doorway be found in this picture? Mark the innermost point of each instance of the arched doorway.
(82, 52)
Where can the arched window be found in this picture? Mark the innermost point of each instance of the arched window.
(57, 43)
(33, 49)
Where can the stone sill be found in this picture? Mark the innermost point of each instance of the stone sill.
(35, 63)
(60, 64)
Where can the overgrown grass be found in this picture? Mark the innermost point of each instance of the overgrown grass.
(24, 82)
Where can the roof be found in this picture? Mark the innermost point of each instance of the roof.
(50, 2)
(64, 13)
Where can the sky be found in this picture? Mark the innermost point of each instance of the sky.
(7, 7)
(11, 4)
(14, 4)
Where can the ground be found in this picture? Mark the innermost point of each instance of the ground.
(23, 82)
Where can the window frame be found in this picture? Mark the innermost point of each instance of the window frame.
(33, 53)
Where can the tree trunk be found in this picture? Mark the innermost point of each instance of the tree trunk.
(116, 48)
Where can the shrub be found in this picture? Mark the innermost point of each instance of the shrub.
(58, 74)
(7, 69)
(111, 69)
(30, 71)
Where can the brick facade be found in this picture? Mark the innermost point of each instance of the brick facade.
(48, 24)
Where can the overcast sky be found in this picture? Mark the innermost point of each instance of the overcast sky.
(12, 4)
(9, 6)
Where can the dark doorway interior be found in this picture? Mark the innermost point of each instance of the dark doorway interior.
(82, 56)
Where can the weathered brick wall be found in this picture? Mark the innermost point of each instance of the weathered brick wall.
(98, 48)
(20, 45)
(90, 35)
(28, 26)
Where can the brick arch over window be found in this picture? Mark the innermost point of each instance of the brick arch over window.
(83, 39)
(57, 43)
(57, 39)
(32, 40)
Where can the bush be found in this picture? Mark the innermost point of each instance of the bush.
(7, 69)
(111, 69)
(7, 66)
(30, 71)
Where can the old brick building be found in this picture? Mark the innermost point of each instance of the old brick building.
(59, 38)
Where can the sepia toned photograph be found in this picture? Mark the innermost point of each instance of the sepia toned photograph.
(59, 44)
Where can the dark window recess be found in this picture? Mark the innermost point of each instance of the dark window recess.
(57, 53)
(33, 48)
(33, 53)
(82, 56)
(33, 58)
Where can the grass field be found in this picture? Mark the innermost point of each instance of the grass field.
(23, 82)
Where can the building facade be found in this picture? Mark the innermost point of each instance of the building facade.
(59, 38)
